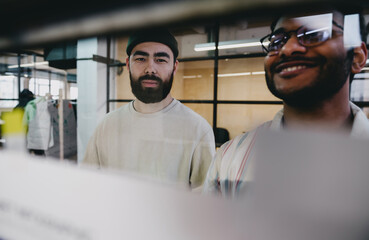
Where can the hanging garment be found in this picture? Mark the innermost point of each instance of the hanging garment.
(40, 134)
(69, 130)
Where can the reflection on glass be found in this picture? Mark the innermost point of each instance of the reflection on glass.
(237, 118)
(243, 79)
(204, 109)
(187, 42)
(241, 38)
(194, 81)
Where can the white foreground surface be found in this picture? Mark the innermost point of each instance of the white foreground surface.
(306, 186)
(46, 199)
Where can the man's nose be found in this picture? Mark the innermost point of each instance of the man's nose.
(150, 67)
(292, 47)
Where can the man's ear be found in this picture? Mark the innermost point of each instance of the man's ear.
(127, 62)
(175, 67)
(360, 57)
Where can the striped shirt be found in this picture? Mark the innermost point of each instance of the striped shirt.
(233, 165)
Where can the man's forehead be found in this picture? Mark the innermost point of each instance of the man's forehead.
(312, 19)
(152, 48)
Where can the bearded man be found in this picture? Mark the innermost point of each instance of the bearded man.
(154, 135)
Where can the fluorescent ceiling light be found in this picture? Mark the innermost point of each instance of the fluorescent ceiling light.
(29, 64)
(192, 76)
(258, 73)
(227, 75)
(234, 74)
(228, 45)
(240, 74)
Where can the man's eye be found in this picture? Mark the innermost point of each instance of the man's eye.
(313, 37)
(311, 34)
(140, 59)
(276, 41)
(161, 60)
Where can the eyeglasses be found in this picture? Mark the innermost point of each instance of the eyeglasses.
(273, 43)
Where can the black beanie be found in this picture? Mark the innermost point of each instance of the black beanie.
(156, 35)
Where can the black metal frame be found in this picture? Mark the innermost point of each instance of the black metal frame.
(215, 58)
(19, 70)
(216, 66)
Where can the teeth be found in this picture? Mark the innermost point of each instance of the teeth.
(289, 69)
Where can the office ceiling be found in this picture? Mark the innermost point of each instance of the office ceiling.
(35, 23)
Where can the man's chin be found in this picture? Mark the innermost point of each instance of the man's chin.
(150, 89)
(302, 99)
(148, 100)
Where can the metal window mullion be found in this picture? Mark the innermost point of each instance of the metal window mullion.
(108, 42)
(216, 60)
(19, 76)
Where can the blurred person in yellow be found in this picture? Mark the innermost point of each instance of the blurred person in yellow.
(14, 120)
(310, 60)
(155, 135)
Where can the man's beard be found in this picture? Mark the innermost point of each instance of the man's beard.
(332, 76)
(151, 95)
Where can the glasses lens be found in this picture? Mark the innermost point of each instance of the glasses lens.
(276, 42)
(312, 37)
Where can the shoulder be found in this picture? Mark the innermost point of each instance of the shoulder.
(183, 108)
(117, 113)
(242, 142)
(360, 128)
(114, 117)
(189, 114)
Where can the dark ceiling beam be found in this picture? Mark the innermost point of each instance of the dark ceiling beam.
(39, 22)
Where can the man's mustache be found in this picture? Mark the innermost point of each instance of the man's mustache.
(150, 77)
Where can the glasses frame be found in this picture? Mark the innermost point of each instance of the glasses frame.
(287, 36)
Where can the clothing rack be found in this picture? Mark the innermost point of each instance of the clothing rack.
(61, 126)
(62, 142)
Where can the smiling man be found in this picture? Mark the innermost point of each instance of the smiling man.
(154, 135)
(310, 61)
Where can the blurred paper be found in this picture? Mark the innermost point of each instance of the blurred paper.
(306, 186)
(45, 199)
(311, 186)
(351, 36)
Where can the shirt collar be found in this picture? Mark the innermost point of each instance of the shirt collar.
(360, 127)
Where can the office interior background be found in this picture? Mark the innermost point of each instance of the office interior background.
(83, 53)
